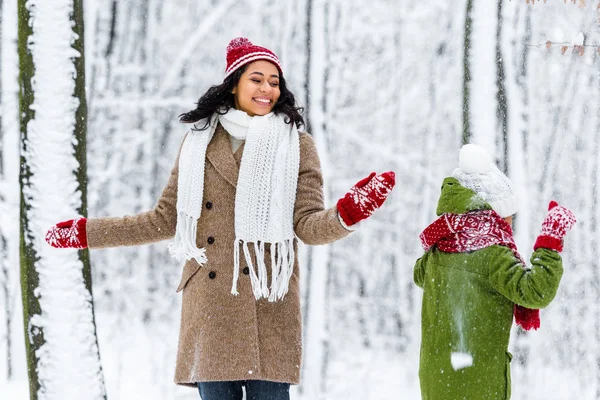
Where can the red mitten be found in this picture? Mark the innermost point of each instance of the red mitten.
(365, 197)
(554, 228)
(68, 234)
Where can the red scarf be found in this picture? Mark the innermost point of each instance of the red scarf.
(460, 233)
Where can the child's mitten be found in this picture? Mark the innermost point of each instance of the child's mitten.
(554, 228)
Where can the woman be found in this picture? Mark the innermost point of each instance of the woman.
(246, 183)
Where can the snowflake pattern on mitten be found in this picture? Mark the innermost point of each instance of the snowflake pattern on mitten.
(68, 234)
(555, 227)
(365, 197)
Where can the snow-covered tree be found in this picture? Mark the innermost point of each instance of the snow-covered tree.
(60, 334)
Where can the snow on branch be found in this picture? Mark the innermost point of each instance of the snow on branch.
(577, 44)
(581, 2)
(209, 21)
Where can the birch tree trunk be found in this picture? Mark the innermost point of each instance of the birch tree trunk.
(466, 134)
(481, 67)
(595, 227)
(501, 99)
(62, 351)
(315, 304)
(514, 35)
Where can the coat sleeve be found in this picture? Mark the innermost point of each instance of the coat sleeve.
(147, 227)
(531, 288)
(313, 224)
(419, 271)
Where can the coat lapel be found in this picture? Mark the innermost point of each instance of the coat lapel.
(237, 156)
(219, 154)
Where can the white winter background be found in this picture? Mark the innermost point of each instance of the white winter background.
(383, 84)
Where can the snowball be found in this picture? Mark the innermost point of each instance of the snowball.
(473, 159)
(578, 40)
(461, 360)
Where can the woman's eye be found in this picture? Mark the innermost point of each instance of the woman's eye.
(255, 80)
(274, 84)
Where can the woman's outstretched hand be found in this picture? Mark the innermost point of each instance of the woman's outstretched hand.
(68, 234)
(365, 197)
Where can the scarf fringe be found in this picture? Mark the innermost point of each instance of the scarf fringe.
(282, 268)
(184, 246)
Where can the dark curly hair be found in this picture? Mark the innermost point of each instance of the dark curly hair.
(219, 99)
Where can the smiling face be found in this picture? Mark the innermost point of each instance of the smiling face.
(257, 91)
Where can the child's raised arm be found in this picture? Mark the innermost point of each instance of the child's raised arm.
(534, 287)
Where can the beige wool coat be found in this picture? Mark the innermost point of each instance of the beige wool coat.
(225, 337)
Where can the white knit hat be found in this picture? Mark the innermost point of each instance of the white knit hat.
(477, 172)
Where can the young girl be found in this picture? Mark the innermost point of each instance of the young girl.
(246, 183)
(474, 281)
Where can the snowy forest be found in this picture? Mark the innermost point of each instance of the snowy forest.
(385, 85)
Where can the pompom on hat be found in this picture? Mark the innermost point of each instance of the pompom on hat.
(477, 172)
(241, 51)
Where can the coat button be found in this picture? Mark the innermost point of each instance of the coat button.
(212, 274)
(246, 271)
(208, 205)
(210, 240)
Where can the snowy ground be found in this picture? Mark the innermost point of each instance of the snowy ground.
(385, 380)
(362, 376)
(138, 364)
(142, 366)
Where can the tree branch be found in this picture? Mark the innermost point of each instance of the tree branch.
(192, 43)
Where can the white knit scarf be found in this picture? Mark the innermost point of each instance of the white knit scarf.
(264, 201)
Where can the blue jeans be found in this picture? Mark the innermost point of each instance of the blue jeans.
(255, 390)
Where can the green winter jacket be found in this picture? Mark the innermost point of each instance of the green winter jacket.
(468, 304)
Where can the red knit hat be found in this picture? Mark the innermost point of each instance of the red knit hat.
(241, 51)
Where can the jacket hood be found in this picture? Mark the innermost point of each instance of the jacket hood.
(457, 199)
